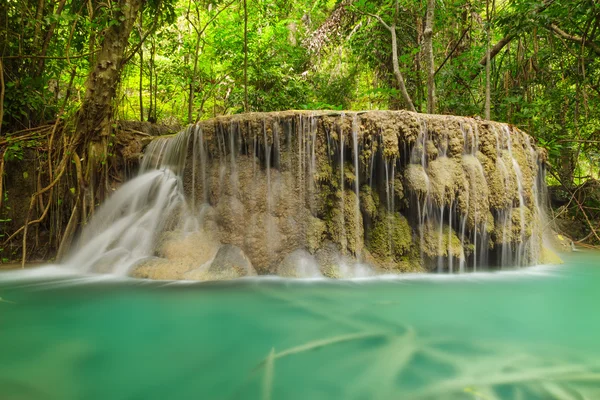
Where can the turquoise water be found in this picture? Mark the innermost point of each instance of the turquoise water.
(527, 334)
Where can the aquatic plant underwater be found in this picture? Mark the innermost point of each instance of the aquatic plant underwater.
(522, 334)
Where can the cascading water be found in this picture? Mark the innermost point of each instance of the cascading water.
(305, 194)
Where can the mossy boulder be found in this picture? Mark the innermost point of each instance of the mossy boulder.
(328, 258)
(346, 225)
(390, 239)
(299, 264)
(369, 201)
(230, 262)
(474, 203)
(445, 180)
(315, 233)
(441, 243)
(549, 257)
(417, 179)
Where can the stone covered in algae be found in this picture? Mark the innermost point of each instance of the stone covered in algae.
(390, 243)
(417, 179)
(369, 201)
(445, 180)
(549, 257)
(346, 226)
(441, 243)
(177, 254)
(474, 200)
(328, 258)
(305, 188)
(315, 233)
(299, 264)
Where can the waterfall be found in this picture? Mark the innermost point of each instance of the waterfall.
(323, 193)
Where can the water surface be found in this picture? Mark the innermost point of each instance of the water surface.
(528, 334)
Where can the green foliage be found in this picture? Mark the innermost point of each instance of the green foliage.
(192, 58)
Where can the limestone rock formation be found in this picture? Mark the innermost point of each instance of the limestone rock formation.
(230, 262)
(394, 190)
(299, 264)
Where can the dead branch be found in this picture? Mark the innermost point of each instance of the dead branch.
(573, 38)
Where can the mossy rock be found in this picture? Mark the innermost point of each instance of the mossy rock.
(513, 234)
(548, 256)
(449, 245)
(475, 205)
(369, 201)
(417, 179)
(390, 239)
(445, 180)
(229, 263)
(315, 233)
(328, 258)
(346, 226)
(299, 264)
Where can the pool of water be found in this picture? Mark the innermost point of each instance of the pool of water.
(527, 334)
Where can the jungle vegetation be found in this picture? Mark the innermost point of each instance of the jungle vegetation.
(70, 70)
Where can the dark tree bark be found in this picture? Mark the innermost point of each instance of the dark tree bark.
(429, 60)
(93, 119)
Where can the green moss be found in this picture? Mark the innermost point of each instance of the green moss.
(432, 151)
(449, 244)
(455, 147)
(390, 238)
(315, 233)
(513, 234)
(398, 188)
(369, 201)
(496, 175)
(445, 180)
(548, 256)
(349, 173)
(345, 227)
(331, 271)
(516, 223)
(417, 179)
(476, 202)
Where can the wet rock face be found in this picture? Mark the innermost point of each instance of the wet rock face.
(179, 256)
(399, 191)
(230, 262)
(299, 264)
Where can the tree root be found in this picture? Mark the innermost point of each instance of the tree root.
(30, 135)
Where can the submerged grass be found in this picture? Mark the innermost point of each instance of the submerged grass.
(403, 363)
(490, 372)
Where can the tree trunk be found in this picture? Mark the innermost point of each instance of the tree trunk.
(428, 49)
(93, 119)
(141, 53)
(193, 79)
(487, 64)
(397, 73)
(246, 109)
(93, 122)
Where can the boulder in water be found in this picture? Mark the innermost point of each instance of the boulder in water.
(299, 264)
(229, 263)
(179, 255)
(328, 258)
(160, 269)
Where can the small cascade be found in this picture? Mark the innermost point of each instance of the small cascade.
(309, 194)
(342, 169)
(355, 157)
(124, 230)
